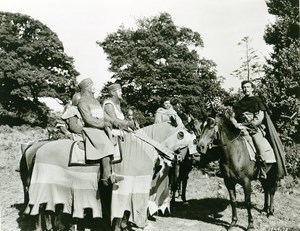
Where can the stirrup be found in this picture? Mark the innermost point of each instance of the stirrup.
(262, 174)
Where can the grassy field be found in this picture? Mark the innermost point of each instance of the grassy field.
(208, 205)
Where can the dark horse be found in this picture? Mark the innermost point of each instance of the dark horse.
(179, 173)
(235, 164)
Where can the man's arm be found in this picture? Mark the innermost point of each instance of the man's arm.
(87, 117)
(258, 118)
(110, 115)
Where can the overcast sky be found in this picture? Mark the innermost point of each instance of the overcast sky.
(79, 24)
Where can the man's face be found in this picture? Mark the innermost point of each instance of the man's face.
(167, 104)
(130, 115)
(91, 88)
(247, 89)
(118, 93)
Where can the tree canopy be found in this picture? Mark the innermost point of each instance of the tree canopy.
(32, 65)
(281, 84)
(158, 60)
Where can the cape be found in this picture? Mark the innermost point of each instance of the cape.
(255, 104)
(278, 148)
(249, 104)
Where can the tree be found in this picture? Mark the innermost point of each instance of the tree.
(32, 65)
(157, 60)
(251, 68)
(283, 67)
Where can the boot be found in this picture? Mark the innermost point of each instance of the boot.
(105, 166)
(261, 167)
(262, 174)
(108, 178)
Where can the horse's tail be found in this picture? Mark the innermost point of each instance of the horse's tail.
(24, 174)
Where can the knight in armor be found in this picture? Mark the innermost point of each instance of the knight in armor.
(112, 109)
(167, 114)
(250, 113)
(97, 143)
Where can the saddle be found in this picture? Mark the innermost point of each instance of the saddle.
(78, 153)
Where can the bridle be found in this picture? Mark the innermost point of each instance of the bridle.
(177, 154)
(216, 138)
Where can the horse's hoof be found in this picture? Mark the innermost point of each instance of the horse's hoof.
(270, 214)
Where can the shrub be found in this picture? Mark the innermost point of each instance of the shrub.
(293, 160)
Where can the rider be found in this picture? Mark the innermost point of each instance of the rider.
(167, 113)
(130, 117)
(73, 122)
(93, 117)
(250, 112)
(112, 109)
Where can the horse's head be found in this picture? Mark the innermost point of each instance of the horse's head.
(181, 143)
(212, 128)
(208, 134)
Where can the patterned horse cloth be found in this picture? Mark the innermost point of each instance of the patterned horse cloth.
(140, 151)
(54, 183)
(160, 193)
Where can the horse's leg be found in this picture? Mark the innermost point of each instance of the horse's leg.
(116, 225)
(268, 185)
(184, 185)
(48, 221)
(273, 188)
(174, 178)
(247, 192)
(185, 180)
(179, 186)
(38, 222)
(230, 185)
(272, 194)
(266, 196)
(25, 178)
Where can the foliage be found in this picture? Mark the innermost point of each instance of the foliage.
(251, 67)
(283, 68)
(293, 160)
(157, 60)
(32, 65)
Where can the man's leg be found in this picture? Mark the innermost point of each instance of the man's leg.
(107, 177)
(257, 138)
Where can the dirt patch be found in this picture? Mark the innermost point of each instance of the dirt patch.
(208, 205)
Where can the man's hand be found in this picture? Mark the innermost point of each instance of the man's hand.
(107, 124)
(131, 125)
(69, 135)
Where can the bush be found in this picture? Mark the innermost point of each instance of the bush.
(293, 160)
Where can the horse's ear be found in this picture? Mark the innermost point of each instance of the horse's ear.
(211, 122)
(197, 127)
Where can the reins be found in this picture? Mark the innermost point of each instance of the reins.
(230, 141)
(216, 131)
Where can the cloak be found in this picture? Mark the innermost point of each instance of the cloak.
(255, 104)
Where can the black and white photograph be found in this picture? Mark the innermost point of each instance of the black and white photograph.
(139, 115)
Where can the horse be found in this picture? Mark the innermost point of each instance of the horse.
(235, 164)
(52, 182)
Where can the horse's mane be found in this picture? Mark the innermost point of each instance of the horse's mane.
(225, 117)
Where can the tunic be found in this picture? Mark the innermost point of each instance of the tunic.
(97, 142)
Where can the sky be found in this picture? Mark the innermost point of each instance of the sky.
(80, 23)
